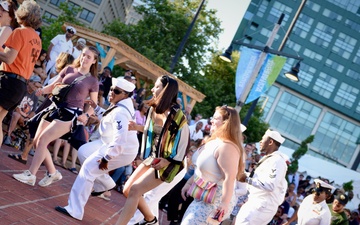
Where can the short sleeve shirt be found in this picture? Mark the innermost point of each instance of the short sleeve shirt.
(81, 90)
(28, 45)
(61, 44)
(28, 104)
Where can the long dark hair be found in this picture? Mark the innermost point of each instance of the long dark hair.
(167, 96)
(12, 8)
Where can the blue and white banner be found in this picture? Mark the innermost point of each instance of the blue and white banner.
(246, 65)
(270, 70)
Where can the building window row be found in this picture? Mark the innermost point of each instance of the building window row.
(276, 11)
(332, 15)
(324, 85)
(353, 25)
(334, 65)
(336, 137)
(349, 5)
(87, 15)
(344, 45)
(307, 74)
(47, 15)
(312, 55)
(56, 2)
(346, 95)
(322, 35)
(357, 57)
(98, 2)
(353, 74)
(313, 6)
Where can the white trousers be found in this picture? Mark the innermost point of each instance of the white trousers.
(253, 212)
(153, 197)
(91, 176)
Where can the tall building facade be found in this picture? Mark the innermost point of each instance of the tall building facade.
(326, 100)
(94, 13)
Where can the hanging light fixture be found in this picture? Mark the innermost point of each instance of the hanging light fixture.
(226, 56)
(293, 73)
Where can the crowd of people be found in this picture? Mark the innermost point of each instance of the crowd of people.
(144, 144)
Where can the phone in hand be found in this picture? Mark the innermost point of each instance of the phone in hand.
(155, 161)
(215, 217)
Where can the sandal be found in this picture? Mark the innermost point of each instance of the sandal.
(73, 170)
(18, 158)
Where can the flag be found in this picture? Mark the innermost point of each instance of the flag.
(270, 70)
(246, 65)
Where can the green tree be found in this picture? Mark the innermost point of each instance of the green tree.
(160, 32)
(68, 14)
(218, 84)
(298, 153)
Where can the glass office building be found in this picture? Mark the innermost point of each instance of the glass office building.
(326, 100)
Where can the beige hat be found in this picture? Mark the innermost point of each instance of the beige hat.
(123, 84)
(275, 135)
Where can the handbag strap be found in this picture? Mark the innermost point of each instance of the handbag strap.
(74, 82)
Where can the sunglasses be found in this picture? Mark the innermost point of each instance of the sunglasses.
(70, 31)
(116, 91)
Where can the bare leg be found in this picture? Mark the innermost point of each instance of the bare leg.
(66, 151)
(46, 133)
(56, 149)
(14, 120)
(145, 182)
(3, 113)
(74, 155)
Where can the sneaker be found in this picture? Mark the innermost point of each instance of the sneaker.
(152, 222)
(26, 177)
(7, 140)
(50, 178)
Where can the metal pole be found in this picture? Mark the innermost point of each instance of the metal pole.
(258, 65)
(182, 44)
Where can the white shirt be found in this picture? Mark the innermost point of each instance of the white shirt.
(61, 45)
(313, 214)
(195, 135)
(268, 185)
(114, 131)
(76, 52)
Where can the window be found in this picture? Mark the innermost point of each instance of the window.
(269, 97)
(315, 7)
(322, 35)
(336, 137)
(353, 25)
(312, 55)
(277, 9)
(349, 5)
(303, 25)
(98, 2)
(357, 57)
(353, 74)
(254, 26)
(48, 16)
(332, 15)
(346, 95)
(87, 15)
(262, 8)
(73, 6)
(324, 85)
(334, 65)
(344, 45)
(294, 116)
(56, 2)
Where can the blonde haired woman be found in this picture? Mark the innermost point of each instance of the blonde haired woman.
(220, 160)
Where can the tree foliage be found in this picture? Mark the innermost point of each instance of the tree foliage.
(68, 14)
(158, 35)
(218, 84)
(298, 153)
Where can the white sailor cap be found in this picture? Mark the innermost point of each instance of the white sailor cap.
(275, 136)
(319, 183)
(123, 84)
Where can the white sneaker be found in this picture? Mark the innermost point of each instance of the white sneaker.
(26, 177)
(50, 178)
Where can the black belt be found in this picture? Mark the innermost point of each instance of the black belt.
(13, 75)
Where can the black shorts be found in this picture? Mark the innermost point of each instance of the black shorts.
(61, 114)
(12, 91)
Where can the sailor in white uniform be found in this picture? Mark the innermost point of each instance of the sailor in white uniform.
(313, 209)
(267, 184)
(116, 147)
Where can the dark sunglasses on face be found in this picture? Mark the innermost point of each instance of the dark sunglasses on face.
(116, 91)
(70, 31)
